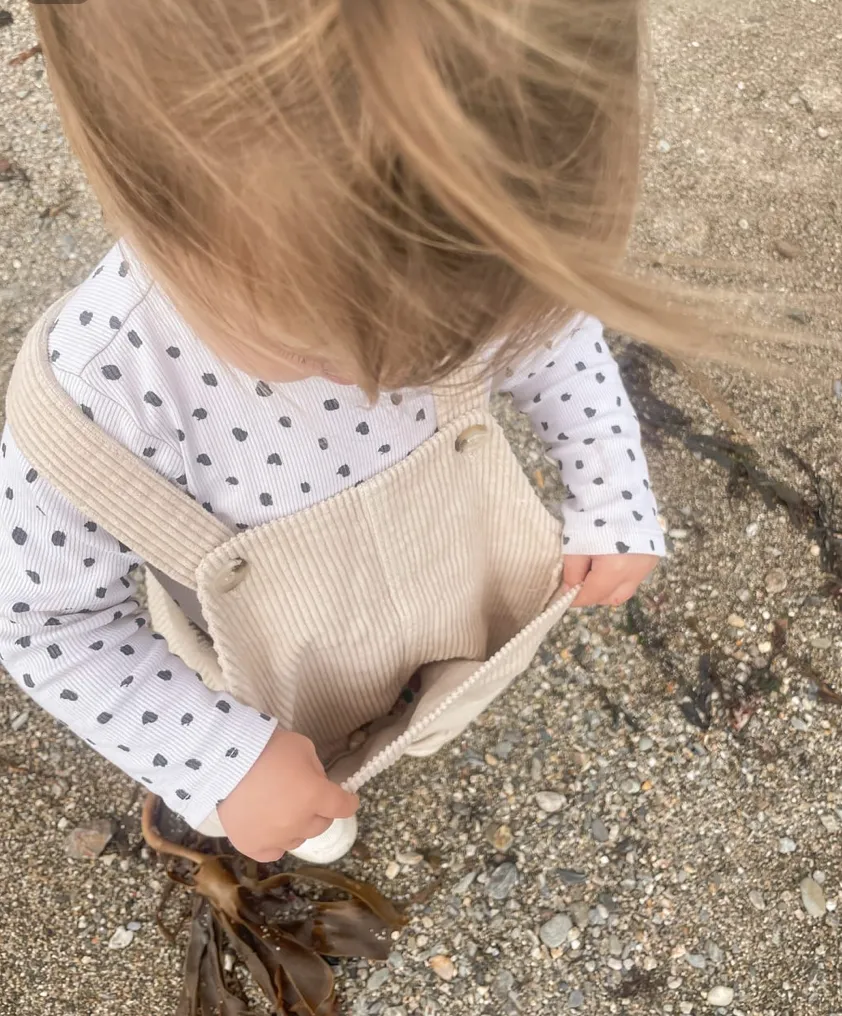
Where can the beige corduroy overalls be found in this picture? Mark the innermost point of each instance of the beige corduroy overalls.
(441, 570)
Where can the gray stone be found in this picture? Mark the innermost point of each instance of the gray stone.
(755, 898)
(554, 933)
(813, 898)
(786, 845)
(20, 720)
(502, 881)
(775, 581)
(464, 884)
(571, 877)
(121, 939)
(503, 984)
(822, 642)
(576, 999)
(598, 831)
(377, 980)
(134, 925)
(697, 961)
(580, 913)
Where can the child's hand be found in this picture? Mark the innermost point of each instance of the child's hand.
(608, 579)
(284, 799)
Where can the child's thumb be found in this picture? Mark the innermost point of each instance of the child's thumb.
(338, 803)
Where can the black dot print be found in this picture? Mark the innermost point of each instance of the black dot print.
(25, 641)
(123, 747)
(565, 540)
(180, 434)
(96, 646)
(181, 480)
(331, 405)
(616, 429)
(363, 428)
(600, 378)
(20, 536)
(186, 719)
(619, 401)
(32, 476)
(598, 347)
(127, 650)
(91, 527)
(545, 425)
(652, 544)
(263, 389)
(562, 437)
(265, 716)
(159, 761)
(52, 622)
(10, 494)
(193, 763)
(69, 696)
(622, 548)
(182, 795)
(85, 318)
(396, 398)
(420, 416)
(266, 500)
(274, 460)
(123, 270)
(34, 577)
(646, 484)
(323, 443)
(153, 399)
(146, 780)
(127, 681)
(87, 411)
(344, 470)
(598, 482)
(590, 412)
(203, 459)
(589, 440)
(134, 339)
(580, 366)
(232, 481)
(305, 488)
(384, 449)
(223, 706)
(240, 434)
(104, 718)
(537, 398)
(580, 464)
(148, 453)
(210, 380)
(285, 422)
(627, 495)
(165, 675)
(566, 397)
(173, 352)
(631, 455)
(20, 608)
(208, 507)
(115, 323)
(58, 539)
(232, 753)
(200, 414)
(54, 356)
(637, 516)
(599, 523)
(549, 365)
(27, 680)
(149, 717)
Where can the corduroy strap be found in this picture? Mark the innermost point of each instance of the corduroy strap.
(99, 476)
(466, 391)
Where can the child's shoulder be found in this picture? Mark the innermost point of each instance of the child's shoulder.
(97, 312)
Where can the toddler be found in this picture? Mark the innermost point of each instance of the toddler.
(344, 224)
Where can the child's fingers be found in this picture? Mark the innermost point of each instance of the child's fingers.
(622, 594)
(595, 590)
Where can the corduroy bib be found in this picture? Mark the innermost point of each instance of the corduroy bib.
(440, 571)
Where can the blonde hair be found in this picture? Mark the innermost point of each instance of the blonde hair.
(398, 182)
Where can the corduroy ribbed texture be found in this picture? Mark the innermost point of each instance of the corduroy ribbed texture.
(441, 566)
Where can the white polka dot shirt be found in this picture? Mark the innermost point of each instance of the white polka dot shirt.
(71, 631)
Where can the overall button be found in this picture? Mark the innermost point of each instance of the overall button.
(231, 575)
(471, 437)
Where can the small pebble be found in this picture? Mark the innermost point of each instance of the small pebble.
(837, 389)
(630, 787)
(823, 133)
(20, 720)
(134, 925)
(410, 858)
(549, 801)
(571, 877)
(775, 581)
(813, 898)
(121, 939)
(752, 530)
(822, 642)
(501, 838)
(830, 822)
(464, 884)
(88, 842)
(786, 845)
(720, 996)
(697, 961)
(576, 999)
(756, 900)
(554, 933)
(736, 621)
(679, 534)
(685, 1007)
(393, 869)
(645, 743)
(443, 967)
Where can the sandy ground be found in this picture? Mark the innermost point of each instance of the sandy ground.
(675, 865)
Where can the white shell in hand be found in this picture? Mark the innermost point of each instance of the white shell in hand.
(333, 844)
